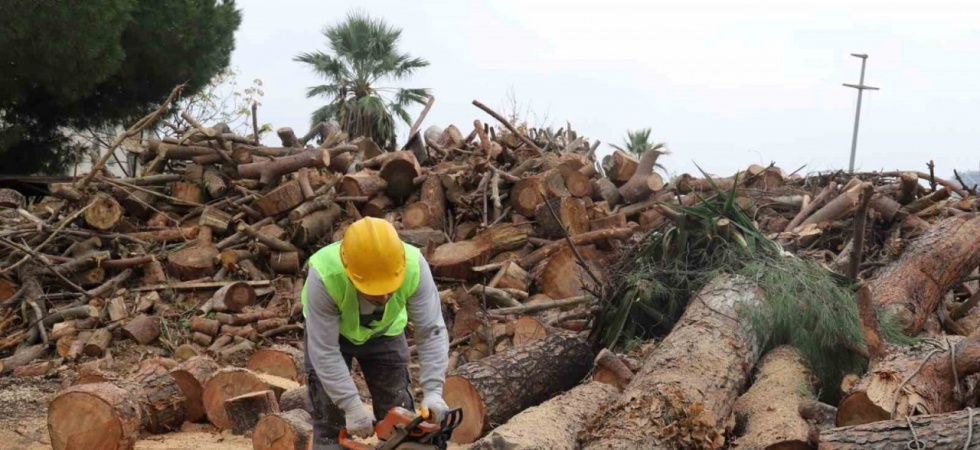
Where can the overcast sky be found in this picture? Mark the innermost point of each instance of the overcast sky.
(724, 84)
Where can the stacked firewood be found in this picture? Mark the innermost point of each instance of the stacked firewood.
(202, 257)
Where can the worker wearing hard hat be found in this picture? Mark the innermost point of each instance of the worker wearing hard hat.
(359, 295)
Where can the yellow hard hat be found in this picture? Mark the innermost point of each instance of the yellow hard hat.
(373, 256)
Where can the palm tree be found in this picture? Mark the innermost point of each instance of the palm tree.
(637, 142)
(364, 53)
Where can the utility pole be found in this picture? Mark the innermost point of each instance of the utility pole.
(857, 115)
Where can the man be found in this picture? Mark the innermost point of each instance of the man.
(359, 295)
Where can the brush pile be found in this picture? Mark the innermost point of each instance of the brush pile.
(547, 259)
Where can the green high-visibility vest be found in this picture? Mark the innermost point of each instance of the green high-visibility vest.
(328, 264)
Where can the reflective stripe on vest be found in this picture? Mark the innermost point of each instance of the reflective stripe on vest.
(328, 264)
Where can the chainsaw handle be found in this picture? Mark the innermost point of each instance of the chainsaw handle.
(351, 444)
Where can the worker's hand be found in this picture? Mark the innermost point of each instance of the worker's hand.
(436, 407)
(360, 422)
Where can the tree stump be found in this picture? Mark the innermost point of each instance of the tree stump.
(228, 383)
(289, 430)
(104, 213)
(246, 410)
(99, 416)
(280, 360)
(191, 375)
(494, 389)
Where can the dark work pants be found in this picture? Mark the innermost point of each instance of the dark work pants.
(384, 362)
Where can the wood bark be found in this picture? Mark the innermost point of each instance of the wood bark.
(912, 286)
(289, 430)
(494, 389)
(767, 416)
(296, 398)
(98, 343)
(705, 341)
(604, 190)
(949, 431)
(98, 416)
(554, 424)
(911, 381)
(267, 171)
(284, 262)
(191, 376)
(224, 384)
(246, 410)
(362, 184)
(377, 206)
(280, 360)
(165, 403)
(232, 297)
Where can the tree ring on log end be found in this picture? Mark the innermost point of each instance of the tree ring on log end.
(460, 393)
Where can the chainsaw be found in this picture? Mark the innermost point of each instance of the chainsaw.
(402, 429)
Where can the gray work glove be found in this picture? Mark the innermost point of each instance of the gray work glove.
(436, 407)
(360, 422)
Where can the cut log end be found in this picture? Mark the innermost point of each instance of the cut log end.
(288, 430)
(223, 385)
(96, 416)
(104, 213)
(246, 410)
(460, 393)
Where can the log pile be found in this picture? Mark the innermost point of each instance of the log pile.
(202, 255)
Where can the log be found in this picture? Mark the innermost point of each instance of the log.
(767, 416)
(204, 325)
(430, 210)
(246, 410)
(143, 329)
(232, 297)
(187, 193)
(228, 383)
(511, 276)
(138, 204)
(527, 329)
(457, 259)
(399, 173)
(296, 398)
(12, 199)
(214, 183)
(281, 199)
(705, 341)
(526, 195)
(98, 343)
(284, 262)
(554, 424)
(98, 416)
(315, 226)
(289, 430)
(362, 184)
(494, 389)
(619, 167)
(377, 206)
(311, 206)
(280, 360)
(609, 363)
(841, 205)
(638, 188)
(103, 213)
(581, 239)
(191, 376)
(571, 216)
(910, 381)
(268, 171)
(165, 403)
(912, 286)
(194, 261)
(949, 431)
(561, 275)
(604, 190)
(215, 219)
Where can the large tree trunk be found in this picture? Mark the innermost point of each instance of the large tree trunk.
(492, 390)
(705, 341)
(290, 430)
(98, 416)
(225, 384)
(552, 425)
(950, 431)
(280, 360)
(913, 286)
(191, 375)
(929, 389)
(767, 416)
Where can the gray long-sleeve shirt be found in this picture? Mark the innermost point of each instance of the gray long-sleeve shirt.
(323, 331)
